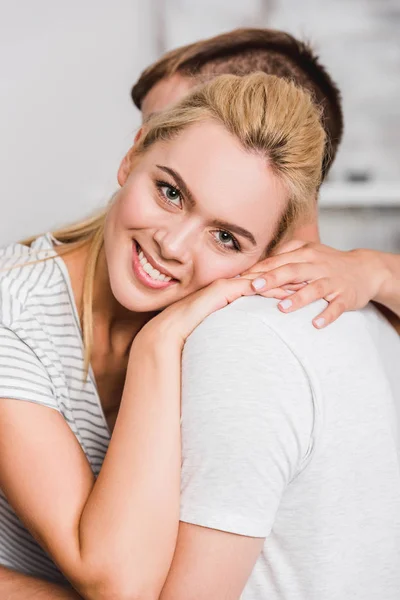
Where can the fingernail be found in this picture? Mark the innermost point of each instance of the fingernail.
(286, 303)
(319, 322)
(258, 283)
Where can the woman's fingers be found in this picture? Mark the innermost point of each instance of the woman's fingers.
(330, 314)
(277, 293)
(289, 247)
(225, 291)
(213, 297)
(341, 278)
(293, 273)
(292, 252)
(274, 262)
(316, 290)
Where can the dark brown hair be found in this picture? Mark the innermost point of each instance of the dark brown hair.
(243, 51)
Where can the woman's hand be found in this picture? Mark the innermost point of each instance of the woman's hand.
(302, 273)
(181, 318)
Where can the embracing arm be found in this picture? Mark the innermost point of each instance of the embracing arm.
(348, 280)
(113, 537)
(15, 586)
(389, 292)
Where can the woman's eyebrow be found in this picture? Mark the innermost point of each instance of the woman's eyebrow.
(181, 183)
(235, 229)
(216, 223)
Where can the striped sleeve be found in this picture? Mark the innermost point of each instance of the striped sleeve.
(22, 375)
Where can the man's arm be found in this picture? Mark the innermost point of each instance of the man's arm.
(210, 564)
(15, 586)
(389, 292)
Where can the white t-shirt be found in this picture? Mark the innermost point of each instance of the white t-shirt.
(291, 434)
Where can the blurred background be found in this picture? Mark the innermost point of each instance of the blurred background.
(66, 117)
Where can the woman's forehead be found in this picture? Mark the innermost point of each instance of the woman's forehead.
(226, 180)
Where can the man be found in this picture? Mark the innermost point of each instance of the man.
(290, 470)
(283, 493)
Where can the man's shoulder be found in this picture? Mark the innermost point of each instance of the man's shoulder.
(266, 314)
(253, 326)
(257, 317)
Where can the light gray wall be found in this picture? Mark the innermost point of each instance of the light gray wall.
(66, 117)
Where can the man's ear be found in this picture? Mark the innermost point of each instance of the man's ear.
(126, 164)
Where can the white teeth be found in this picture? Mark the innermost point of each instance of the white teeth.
(154, 273)
(148, 268)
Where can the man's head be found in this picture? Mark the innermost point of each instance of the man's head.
(241, 52)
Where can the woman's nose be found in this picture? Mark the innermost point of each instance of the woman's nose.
(175, 244)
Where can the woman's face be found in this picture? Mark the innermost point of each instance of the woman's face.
(190, 210)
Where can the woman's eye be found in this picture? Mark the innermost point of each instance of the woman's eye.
(170, 193)
(224, 238)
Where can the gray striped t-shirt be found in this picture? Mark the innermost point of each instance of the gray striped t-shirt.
(41, 360)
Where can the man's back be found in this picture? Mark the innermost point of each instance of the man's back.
(313, 463)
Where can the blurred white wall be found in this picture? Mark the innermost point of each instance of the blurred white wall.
(358, 41)
(66, 117)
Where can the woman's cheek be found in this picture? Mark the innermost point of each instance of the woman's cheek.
(136, 207)
(214, 268)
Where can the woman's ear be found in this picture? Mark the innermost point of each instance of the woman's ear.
(124, 168)
(138, 136)
(126, 164)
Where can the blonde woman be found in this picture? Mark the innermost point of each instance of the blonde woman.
(94, 320)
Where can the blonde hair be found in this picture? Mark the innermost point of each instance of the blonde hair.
(266, 114)
(247, 50)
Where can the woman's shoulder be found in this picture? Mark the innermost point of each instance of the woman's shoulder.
(26, 274)
(19, 254)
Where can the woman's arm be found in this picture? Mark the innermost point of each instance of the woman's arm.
(114, 537)
(15, 586)
(132, 514)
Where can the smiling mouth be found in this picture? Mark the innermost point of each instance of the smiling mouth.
(146, 271)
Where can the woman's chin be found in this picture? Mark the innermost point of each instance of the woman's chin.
(142, 301)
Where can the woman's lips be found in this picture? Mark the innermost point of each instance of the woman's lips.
(144, 277)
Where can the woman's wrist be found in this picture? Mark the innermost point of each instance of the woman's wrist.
(158, 334)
